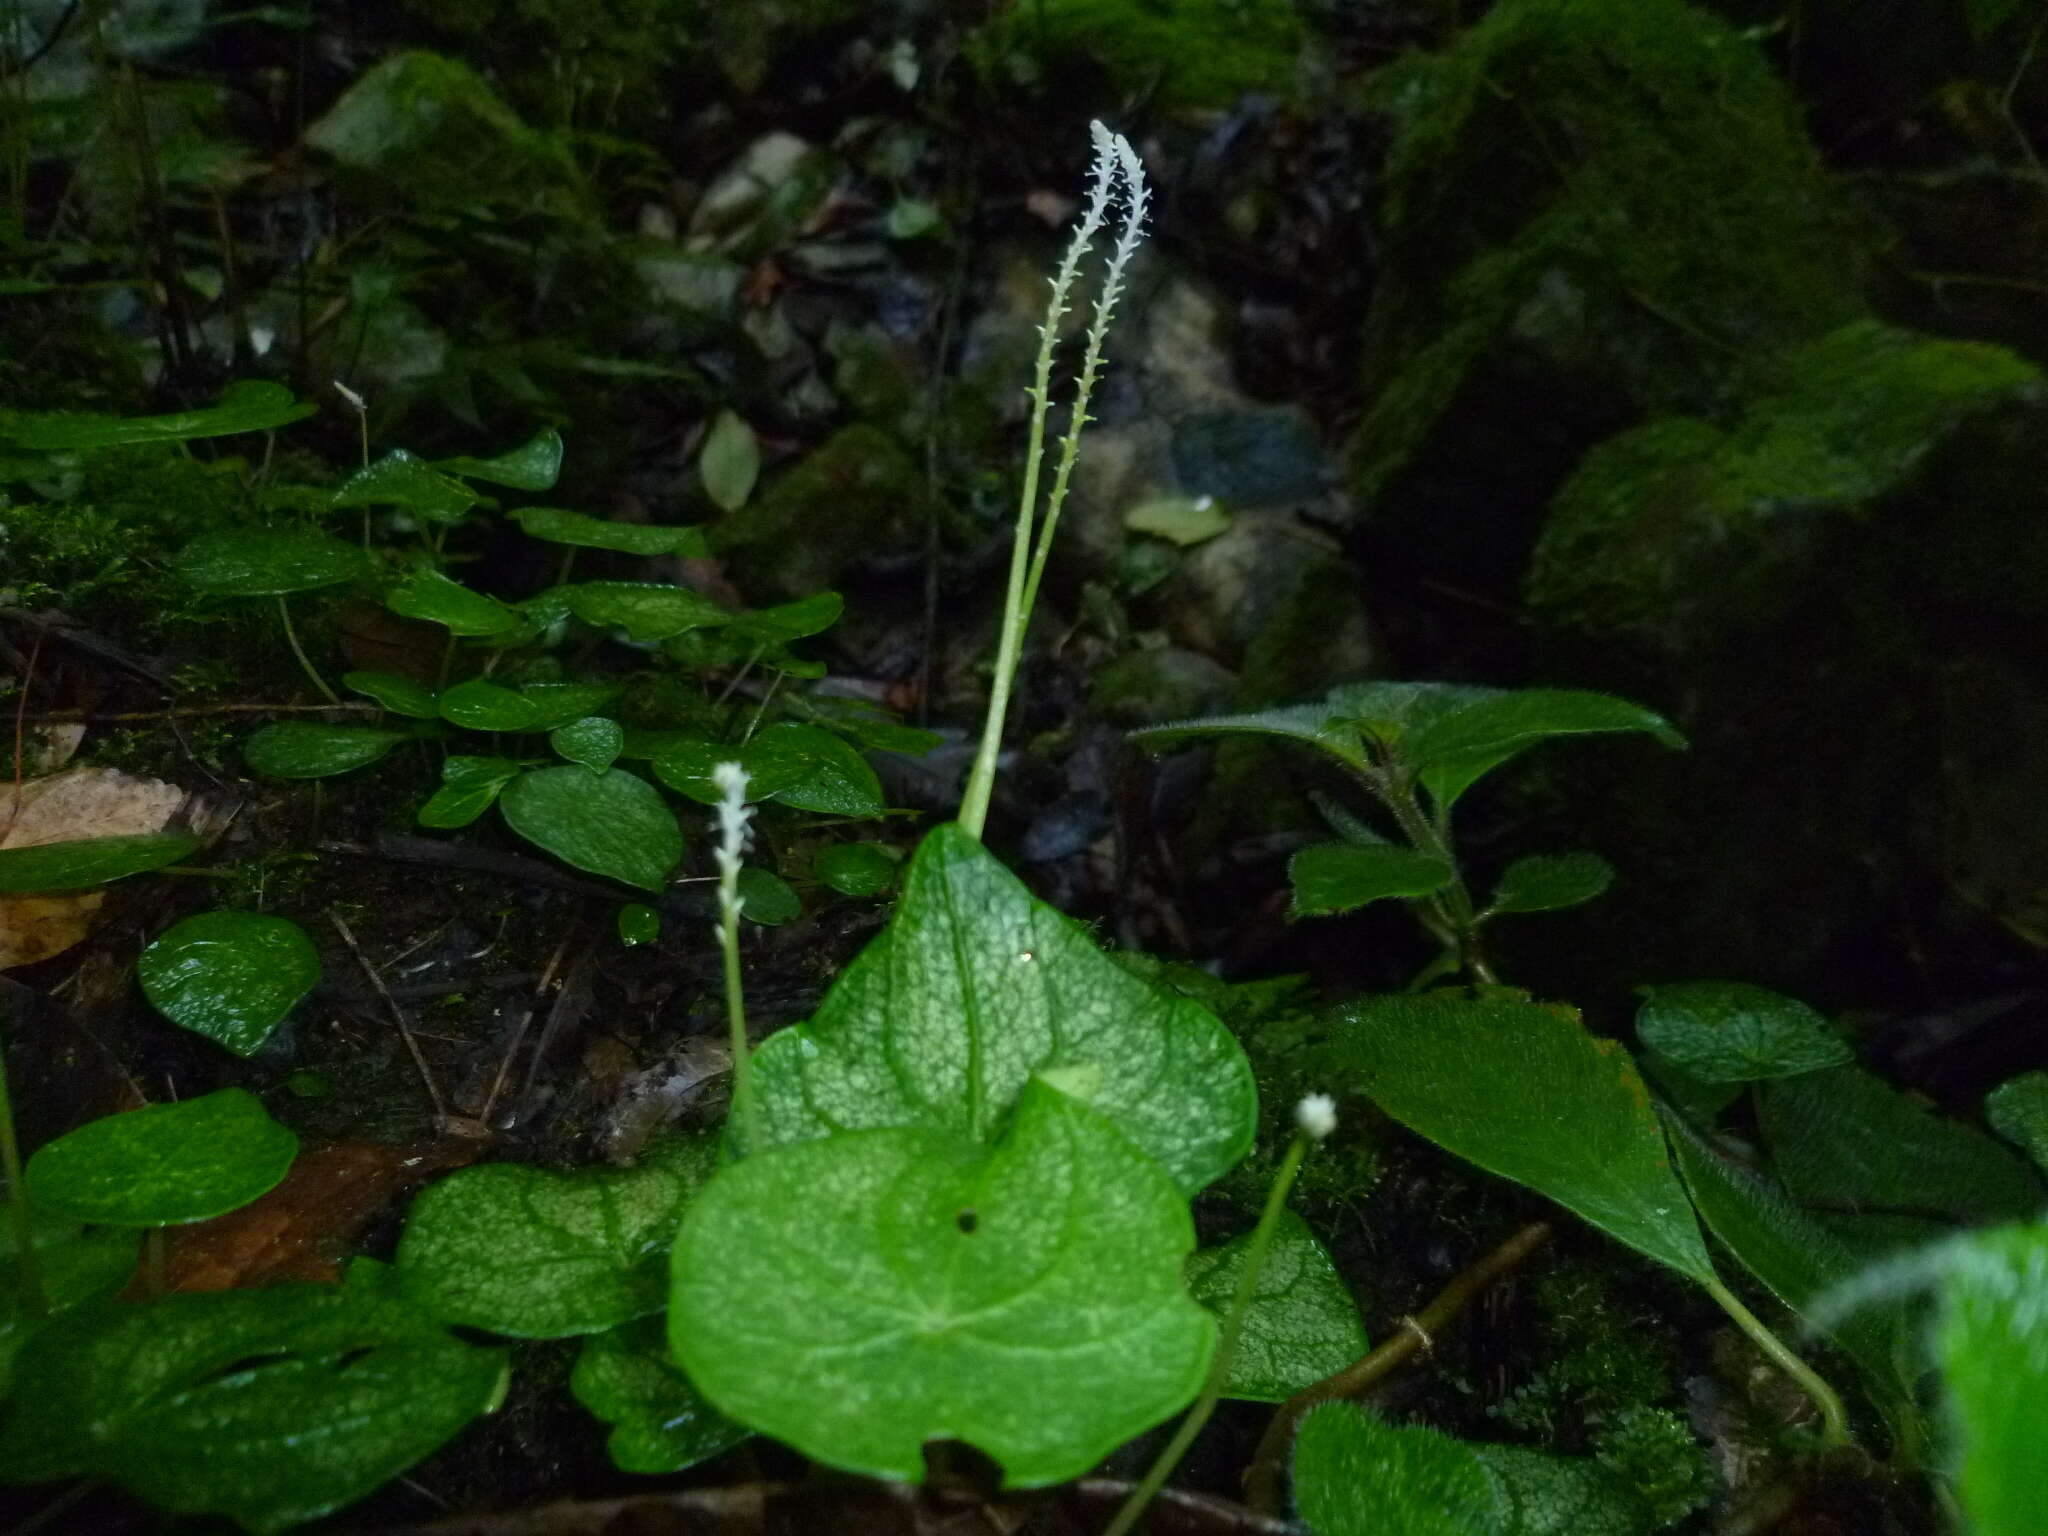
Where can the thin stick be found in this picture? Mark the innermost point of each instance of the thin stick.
(1264, 1481)
(291, 636)
(397, 1014)
(196, 712)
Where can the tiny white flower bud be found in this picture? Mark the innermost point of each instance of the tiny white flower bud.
(351, 396)
(1316, 1114)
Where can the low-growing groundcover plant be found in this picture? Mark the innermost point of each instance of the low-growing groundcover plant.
(953, 1205)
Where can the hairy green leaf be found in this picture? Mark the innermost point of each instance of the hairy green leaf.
(857, 869)
(1550, 882)
(815, 771)
(163, 1165)
(1456, 749)
(1329, 878)
(791, 621)
(1731, 1032)
(1356, 1475)
(768, 898)
(1993, 1344)
(1302, 1324)
(469, 787)
(230, 976)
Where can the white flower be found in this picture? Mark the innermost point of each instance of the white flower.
(1316, 1114)
(733, 815)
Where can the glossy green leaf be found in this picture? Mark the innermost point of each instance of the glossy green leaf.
(90, 861)
(1993, 1344)
(268, 562)
(791, 621)
(614, 824)
(586, 532)
(861, 1294)
(2018, 1111)
(857, 869)
(976, 986)
(1456, 749)
(74, 1267)
(1525, 1092)
(1311, 724)
(427, 594)
(252, 405)
(565, 703)
(685, 766)
(534, 465)
(538, 1254)
(1550, 882)
(403, 480)
(592, 742)
(163, 1165)
(1329, 878)
(272, 1406)
(1302, 1324)
(1846, 1140)
(769, 899)
(1356, 1475)
(1799, 1260)
(817, 771)
(730, 462)
(645, 610)
(1731, 1032)
(469, 787)
(300, 749)
(481, 705)
(400, 695)
(660, 1422)
(230, 976)
(638, 924)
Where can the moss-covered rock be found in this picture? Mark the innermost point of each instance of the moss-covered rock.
(1601, 201)
(1189, 53)
(858, 494)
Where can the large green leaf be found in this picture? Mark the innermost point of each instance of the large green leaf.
(610, 824)
(163, 1165)
(73, 1268)
(1355, 1475)
(252, 405)
(660, 1421)
(401, 479)
(535, 465)
(272, 1406)
(231, 976)
(1524, 1091)
(268, 562)
(539, 1254)
(1993, 1344)
(1731, 1032)
(299, 749)
(1456, 749)
(974, 987)
(427, 594)
(2018, 1111)
(1847, 1141)
(862, 1294)
(1311, 724)
(1329, 878)
(90, 861)
(645, 610)
(560, 527)
(1302, 1324)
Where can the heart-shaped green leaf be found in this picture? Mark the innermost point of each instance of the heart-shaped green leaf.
(230, 976)
(859, 1295)
(592, 742)
(1329, 878)
(537, 1254)
(1302, 1324)
(268, 562)
(1524, 1091)
(163, 1165)
(401, 479)
(610, 824)
(299, 749)
(252, 405)
(482, 705)
(272, 1406)
(534, 465)
(1731, 1032)
(660, 1422)
(857, 869)
(469, 787)
(400, 695)
(1457, 749)
(1551, 882)
(427, 594)
(730, 461)
(1356, 1475)
(645, 610)
(817, 770)
(560, 527)
(90, 861)
(976, 986)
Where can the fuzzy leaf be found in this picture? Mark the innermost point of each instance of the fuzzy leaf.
(230, 976)
(1455, 750)
(1329, 878)
(1311, 724)
(611, 824)
(791, 621)
(163, 1165)
(857, 869)
(88, 861)
(861, 1294)
(1731, 1032)
(769, 899)
(976, 986)
(1355, 1475)
(660, 1422)
(1551, 882)
(268, 563)
(1302, 1324)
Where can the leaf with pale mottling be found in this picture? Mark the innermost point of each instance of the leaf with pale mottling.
(1302, 1324)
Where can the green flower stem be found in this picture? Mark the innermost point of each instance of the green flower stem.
(736, 1007)
(1834, 1420)
(291, 636)
(1226, 1344)
(27, 1270)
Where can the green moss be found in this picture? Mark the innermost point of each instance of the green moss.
(1683, 523)
(1601, 1355)
(1621, 186)
(1189, 53)
(1653, 1451)
(856, 495)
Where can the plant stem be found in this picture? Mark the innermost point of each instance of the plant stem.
(736, 1008)
(27, 1270)
(1226, 1345)
(1834, 1420)
(1454, 901)
(156, 1271)
(291, 636)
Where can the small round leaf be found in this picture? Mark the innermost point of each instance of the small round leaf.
(857, 869)
(163, 1165)
(768, 898)
(638, 924)
(231, 976)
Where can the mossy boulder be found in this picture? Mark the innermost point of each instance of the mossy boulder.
(856, 496)
(1187, 53)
